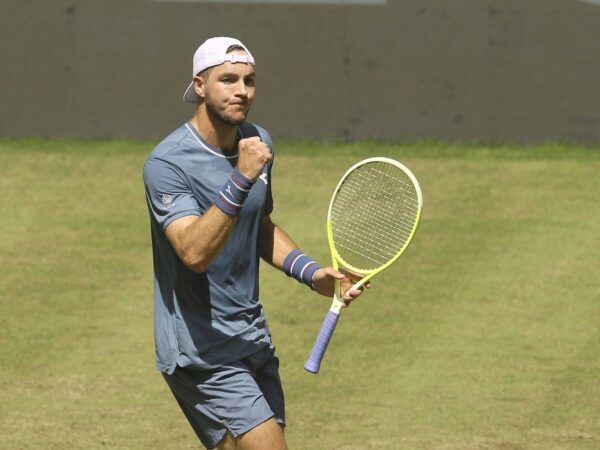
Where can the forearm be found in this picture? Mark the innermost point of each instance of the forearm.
(275, 244)
(279, 250)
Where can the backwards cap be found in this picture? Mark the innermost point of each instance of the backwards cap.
(213, 52)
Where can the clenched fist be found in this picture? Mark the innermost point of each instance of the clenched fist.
(253, 155)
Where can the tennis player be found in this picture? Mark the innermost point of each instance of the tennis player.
(208, 189)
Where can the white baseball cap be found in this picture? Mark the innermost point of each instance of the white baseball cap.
(213, 52)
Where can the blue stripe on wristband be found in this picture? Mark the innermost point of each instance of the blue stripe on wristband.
(300, 266)
(233, 194)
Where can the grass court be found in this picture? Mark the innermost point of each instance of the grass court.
(484, 335)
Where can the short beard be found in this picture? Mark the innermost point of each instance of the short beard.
(218, 115)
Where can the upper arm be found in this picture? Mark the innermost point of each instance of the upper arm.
(176, 232)
(199, 239)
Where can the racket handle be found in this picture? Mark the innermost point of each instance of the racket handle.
(316, 356)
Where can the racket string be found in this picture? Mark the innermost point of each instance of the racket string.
(373, 215)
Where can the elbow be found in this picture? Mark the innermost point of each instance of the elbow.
(195, 262)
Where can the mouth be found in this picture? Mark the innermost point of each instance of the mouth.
(240, 108)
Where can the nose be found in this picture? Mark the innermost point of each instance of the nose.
(242, 89)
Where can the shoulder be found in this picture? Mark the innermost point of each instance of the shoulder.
(178, 139)
(176, 147)
(169, 154)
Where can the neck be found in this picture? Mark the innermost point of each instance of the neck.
(220, 135)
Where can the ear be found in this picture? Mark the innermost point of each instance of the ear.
(199, 86)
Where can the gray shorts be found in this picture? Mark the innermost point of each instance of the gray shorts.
(236, 397)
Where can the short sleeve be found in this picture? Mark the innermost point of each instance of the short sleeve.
(168, 192)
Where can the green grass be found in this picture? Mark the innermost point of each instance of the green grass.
(483, 336)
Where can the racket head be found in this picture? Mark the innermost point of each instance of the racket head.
(373, 215)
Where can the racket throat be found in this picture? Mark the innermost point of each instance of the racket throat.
(336, 305)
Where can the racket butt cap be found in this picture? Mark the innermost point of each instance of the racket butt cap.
(312, 367)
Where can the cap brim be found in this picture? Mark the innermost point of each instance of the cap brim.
(190, 95)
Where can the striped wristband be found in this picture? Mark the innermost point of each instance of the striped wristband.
(233, 193)
(300, 266)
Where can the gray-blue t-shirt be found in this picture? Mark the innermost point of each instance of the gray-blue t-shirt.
(212, 318)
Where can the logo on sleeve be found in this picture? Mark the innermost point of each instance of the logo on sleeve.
(167, 200)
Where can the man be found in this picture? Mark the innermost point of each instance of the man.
(208, 188)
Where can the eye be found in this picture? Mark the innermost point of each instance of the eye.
(228, 80)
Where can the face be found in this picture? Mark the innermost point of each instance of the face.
(229, 91)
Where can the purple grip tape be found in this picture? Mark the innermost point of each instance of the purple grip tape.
(316, 356)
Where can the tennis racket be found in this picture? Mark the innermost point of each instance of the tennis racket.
(372, 218)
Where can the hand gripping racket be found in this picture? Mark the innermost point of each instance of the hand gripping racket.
(372, 217)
